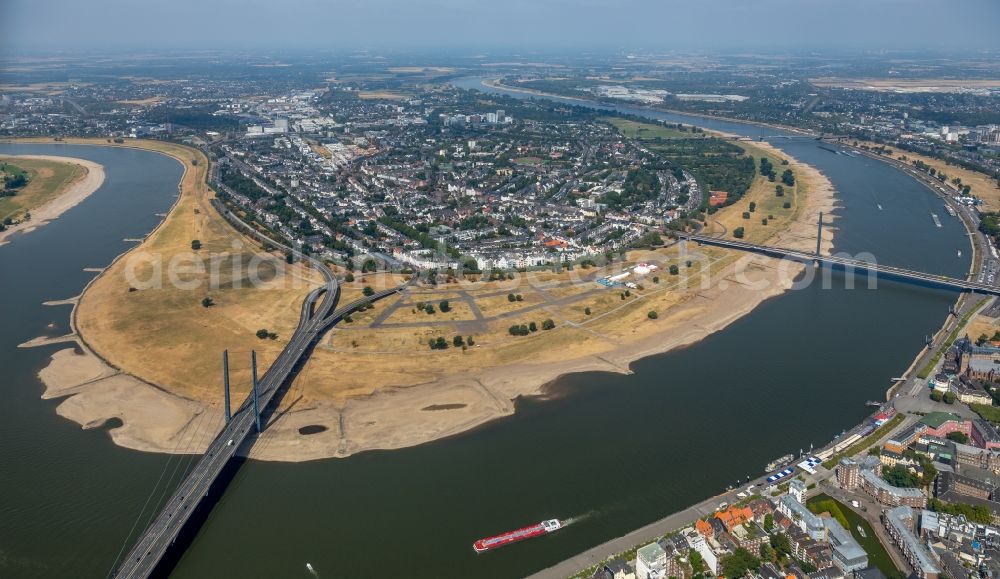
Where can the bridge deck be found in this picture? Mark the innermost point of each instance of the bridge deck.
(849, 264)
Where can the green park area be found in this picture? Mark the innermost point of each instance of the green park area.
(649, 131)
(866, 537)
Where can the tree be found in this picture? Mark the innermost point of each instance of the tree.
(779, 191)
(788, 178)
(470, 341)
(429, 308)
(289, 258)
(349, 277)
(753, 206)
(368, 291)
(444, 306)
(737, 564)
(195, 244)
(768, 522)
(976, 513)
(782, 546)
(900, 476)
(767, 552)
(936, 396)
(746, 215)
(17, 181)
(652, 314)
(586, 311)
(533, 327)
(207, 302)
(697, 562)
(738, 233)
(548, 324)
(949, 397)
(674, 270)
(511, 298)
(262, 333)
(959, 437)
(369, 265)
(442, 344)
(518, 330)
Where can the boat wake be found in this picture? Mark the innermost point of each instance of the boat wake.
(579, 518)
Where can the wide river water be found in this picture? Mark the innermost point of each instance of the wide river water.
(614, 451)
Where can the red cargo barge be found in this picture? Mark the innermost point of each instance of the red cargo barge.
(496, 541)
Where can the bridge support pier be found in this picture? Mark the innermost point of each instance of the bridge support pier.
(256, 407)
(819, 233)
(225, 378)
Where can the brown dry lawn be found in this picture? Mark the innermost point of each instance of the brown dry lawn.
(768, 204)
(159, 331)
(356, 360)
(381, 95)
(980, 325)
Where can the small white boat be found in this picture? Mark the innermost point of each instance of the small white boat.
(959, 253)
(879, 206)
(310, 568)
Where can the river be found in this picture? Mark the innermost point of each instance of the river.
(612, 451)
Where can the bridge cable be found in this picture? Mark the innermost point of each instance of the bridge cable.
(194, 458)
(166, 465)
(171, 487)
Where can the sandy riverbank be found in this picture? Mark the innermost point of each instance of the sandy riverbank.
(76, 192)
(444, 403)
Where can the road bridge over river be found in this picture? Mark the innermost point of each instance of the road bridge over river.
(215, 467)
(851, 265)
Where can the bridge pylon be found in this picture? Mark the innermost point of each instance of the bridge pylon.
(819, 234)
(256, 407)
(225, 382)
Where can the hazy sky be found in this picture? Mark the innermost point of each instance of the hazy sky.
(41, 25)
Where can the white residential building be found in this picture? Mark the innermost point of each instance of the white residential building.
(650, 562)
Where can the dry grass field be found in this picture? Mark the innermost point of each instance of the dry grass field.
(362, 357)
(163, 334)
(381, 95)
(46, 181)
(768, 205)
(980, 325)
